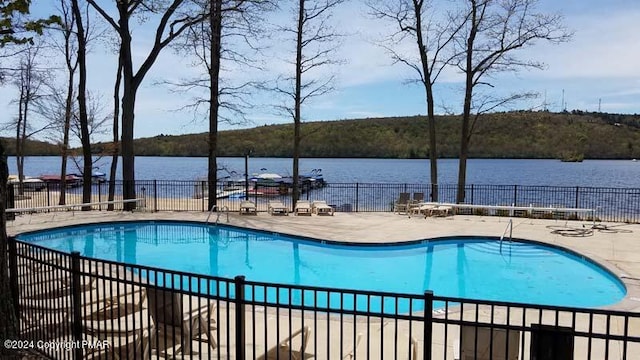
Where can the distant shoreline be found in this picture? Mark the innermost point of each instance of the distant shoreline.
(510, 135)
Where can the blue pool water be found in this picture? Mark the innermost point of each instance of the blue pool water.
(472, 268)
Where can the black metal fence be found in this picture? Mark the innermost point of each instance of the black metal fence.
(611, 204)
(73, 307)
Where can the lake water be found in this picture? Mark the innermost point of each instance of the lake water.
(590, 173)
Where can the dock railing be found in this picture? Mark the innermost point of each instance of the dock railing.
(74, 307)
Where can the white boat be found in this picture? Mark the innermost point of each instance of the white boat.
(222, 194)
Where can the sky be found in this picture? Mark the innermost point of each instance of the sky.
(596, 71)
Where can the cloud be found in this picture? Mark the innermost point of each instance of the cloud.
(604, 45)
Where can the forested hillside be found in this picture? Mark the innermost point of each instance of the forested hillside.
(31, 147)
(500, 135)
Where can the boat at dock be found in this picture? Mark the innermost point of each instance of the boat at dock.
(71, 181)
(28, 183)
(314, 179)
(261, 185)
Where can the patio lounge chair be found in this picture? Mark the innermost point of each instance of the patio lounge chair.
(351, 353)
(320, 207)
(116, 306)
(108, 346)
(287, 350)
(303, 207)
(391, 351)
(472, 348)
(248, 208)
(421, 209)
(402, 204)
(50, 303)
(440, 210)
(53, 287)
(415, 202)
(178, 326)
(134, 347)
(276, 207)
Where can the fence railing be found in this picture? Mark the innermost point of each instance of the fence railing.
(73, 307)
(611, 204)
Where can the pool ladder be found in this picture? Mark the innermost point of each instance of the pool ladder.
(510, 228)
(224, 209)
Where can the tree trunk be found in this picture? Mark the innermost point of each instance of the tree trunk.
(433, 150)
(298, 99)
(65, 140)
(464, 142)
(23, 136)
(462, 170)
(8, 321)
(428, 88)
(82, 107)
(215, 23)
(19, 143)
(128, 110)
(115, 151)
(68, 108)
(466, 110)
(128, 157)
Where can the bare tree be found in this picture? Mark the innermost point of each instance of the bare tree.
(115, 146)
(82, 105)
(316, 43)
(228, 37)
(60, 107)
(418, 22)
(493, 32)
(171, 24)
(55, 108)
(30, 81)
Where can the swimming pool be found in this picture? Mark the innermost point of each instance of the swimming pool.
(469, 267)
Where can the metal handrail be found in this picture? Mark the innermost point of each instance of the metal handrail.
(213, 208)
(510, 228)
(224, 209)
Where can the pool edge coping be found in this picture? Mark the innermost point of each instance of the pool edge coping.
(629, 302)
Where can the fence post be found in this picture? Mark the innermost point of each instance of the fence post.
(155, 195)
(11, 202)
(76, 303)
(357, 200)
(204, 192)
(577, 193)
(472, 194)
(13, 274)
(240, 317)
(428, 324)
(515, 195)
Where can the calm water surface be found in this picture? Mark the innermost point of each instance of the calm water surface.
(477, 268)
(597, 173)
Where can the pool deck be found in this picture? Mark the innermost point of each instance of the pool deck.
(614, 245)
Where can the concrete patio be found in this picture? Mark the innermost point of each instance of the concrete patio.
(614, 246)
